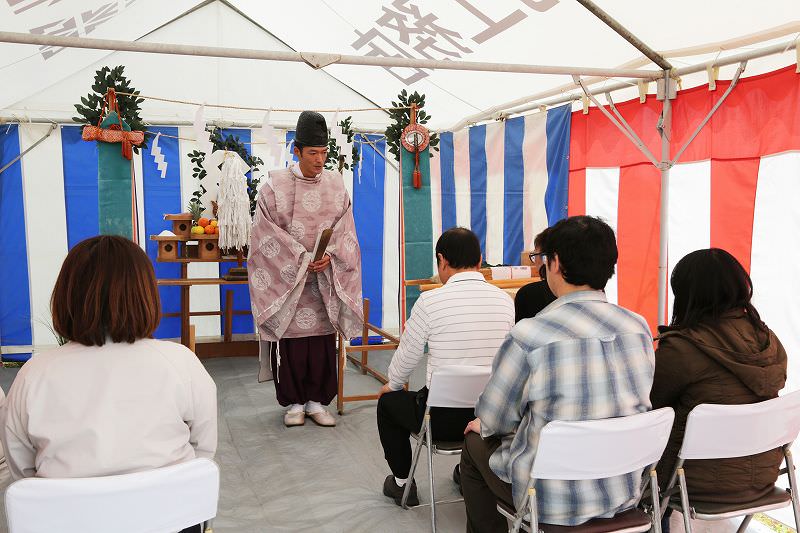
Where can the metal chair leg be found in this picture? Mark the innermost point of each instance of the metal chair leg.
(429, 440)
(787, 452)
(687, 519)
(656, 501)
(414, 462)
(671, 485)
(744, 524)
(516, 524)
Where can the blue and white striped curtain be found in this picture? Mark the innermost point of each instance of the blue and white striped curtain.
(48, 203)
(506, 181)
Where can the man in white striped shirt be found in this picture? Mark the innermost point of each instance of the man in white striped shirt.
(463, 323)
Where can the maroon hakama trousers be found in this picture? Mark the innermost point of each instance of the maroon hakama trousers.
(307, 371)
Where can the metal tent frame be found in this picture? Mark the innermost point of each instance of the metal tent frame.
(665, 77)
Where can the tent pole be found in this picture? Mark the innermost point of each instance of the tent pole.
(665, 131)
(5, 119)
(700, 126)
(664, 164)
(316, 60)
(626, 34)
(621, 124)
(557, 96)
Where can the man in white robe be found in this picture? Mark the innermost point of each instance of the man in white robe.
(299, 304)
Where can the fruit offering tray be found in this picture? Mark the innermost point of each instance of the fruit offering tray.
(191, 241)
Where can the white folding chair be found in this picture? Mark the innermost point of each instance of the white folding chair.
(166, 499)
(722, 431)
(451, 386)
(597, 449)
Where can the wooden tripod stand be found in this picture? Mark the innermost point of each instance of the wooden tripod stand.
(359, 356)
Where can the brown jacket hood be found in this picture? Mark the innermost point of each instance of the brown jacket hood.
(756, 357)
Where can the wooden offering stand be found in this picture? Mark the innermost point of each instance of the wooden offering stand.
(359, 356)
(184, 248)
(173, 248)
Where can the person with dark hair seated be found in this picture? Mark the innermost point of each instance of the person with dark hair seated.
(716, 350)
(112, 400)
(462, 323)
(535, 296)
(581, 358)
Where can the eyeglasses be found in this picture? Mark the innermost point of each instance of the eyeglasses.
(533, 255)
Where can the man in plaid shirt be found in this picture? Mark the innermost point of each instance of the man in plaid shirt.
(581, 358)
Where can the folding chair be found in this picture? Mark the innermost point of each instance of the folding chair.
(597, 449)
(451, 386)
(722, 431)
(165, 499)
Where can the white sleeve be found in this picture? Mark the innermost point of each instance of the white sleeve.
(202, 415)
(19, 450)
(411, 348)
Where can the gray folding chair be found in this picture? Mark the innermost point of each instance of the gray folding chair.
(597, 449)
(722, 431)
(454, 387)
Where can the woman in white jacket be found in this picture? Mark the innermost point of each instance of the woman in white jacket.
(111, 400)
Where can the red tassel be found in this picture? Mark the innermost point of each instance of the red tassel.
(417, 174)
(127, 150)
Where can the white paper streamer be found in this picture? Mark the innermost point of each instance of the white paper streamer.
(267, 131)
(360, 159)
(211, 165)
(274, 142)
(201, 135)
(158, 157)
(233, 205)
(286, 157)
(348, 152)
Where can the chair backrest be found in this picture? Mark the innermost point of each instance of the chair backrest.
(597, 449)
(164, 499)
(720, 431)
(457, 385)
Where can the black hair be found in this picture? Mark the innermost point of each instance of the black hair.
(460, 247)
(539, 239)
(707, 284)
(299, 146)
(586, 250)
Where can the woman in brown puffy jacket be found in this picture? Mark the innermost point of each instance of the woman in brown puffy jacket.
(716, 350)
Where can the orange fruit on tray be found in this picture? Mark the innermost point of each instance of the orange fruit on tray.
(203, 222)
(209, 230)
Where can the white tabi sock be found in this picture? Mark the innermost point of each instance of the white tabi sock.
(314, 407)
(296, 408)
(400, 482)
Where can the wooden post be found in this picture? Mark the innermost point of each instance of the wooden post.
(340, 389)
(365, 338)
(228, 316)
(191, 338)
(185, 306)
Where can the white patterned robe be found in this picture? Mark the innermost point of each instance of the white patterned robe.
(289, 301)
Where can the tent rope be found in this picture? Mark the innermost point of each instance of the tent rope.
(31, 147)
(245, 108)
(252, 142)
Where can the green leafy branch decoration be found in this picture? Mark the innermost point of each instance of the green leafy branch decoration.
(401, 116)
(91, 106)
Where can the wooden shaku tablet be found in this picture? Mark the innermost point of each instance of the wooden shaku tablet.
(324, 239)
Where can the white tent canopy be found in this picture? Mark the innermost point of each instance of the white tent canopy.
(530, 32)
